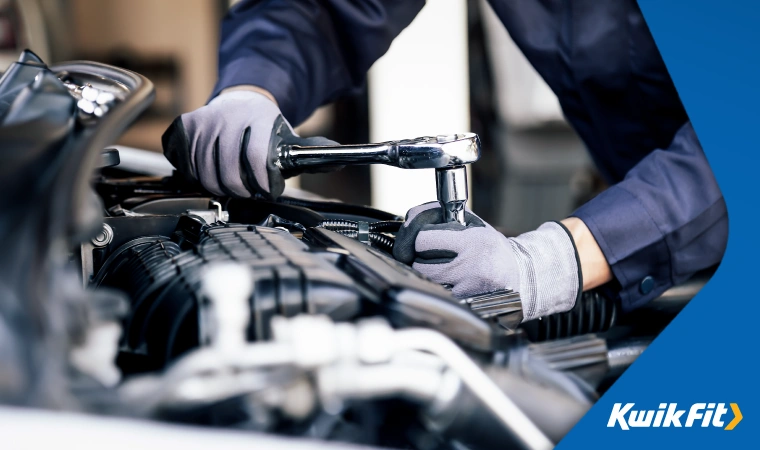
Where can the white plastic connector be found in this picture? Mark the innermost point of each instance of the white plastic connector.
(314, 340)
(97, 355)
(375, 338)
(229, 287)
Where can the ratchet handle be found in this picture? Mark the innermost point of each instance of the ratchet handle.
(421, 153)
(305, 156)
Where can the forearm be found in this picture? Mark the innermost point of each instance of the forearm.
(665, 221)
(594, 267)
(307, 53)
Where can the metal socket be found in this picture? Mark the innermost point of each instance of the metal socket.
(451, 184)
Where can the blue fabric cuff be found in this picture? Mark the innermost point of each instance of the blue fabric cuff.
(262, 72)
(632, 243)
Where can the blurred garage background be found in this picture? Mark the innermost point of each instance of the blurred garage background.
(462, 72)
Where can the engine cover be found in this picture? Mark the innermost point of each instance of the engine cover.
(162, 275)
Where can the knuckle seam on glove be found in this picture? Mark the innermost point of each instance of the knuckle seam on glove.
(218, 169)
(247, 174)
(243, 159)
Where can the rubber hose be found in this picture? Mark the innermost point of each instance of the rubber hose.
(594, 313)
(381, 241)
(391, 226)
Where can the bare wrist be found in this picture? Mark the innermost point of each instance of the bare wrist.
(594, 267)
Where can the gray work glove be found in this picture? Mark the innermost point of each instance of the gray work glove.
(230, 145)
(542, 265)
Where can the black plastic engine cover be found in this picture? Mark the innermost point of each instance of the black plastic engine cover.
(404, 295)
(162, 277)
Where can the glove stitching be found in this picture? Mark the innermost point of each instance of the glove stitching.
(527, 278)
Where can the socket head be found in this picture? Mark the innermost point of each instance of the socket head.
(437, 152)
(451, 184)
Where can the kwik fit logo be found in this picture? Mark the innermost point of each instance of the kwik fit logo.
(668, 415)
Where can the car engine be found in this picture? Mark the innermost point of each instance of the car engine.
(129, 291)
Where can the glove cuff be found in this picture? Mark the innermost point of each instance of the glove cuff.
(549, 268)
(241, 95)
(577, 262)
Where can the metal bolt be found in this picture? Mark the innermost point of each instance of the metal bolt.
(104, 237)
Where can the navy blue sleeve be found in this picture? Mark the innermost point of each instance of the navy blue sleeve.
(665, 221)
(307, 52)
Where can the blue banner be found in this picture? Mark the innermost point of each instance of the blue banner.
(696, 385)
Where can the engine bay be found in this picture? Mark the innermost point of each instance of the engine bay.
(142, 295)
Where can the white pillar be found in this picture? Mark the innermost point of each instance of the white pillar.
(419, 88)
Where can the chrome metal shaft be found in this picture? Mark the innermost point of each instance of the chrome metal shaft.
(420, 153)
(452, 193)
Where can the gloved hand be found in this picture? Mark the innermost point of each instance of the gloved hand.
(230, 145)
(542, 265)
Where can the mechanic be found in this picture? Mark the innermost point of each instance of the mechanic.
(662, 219)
